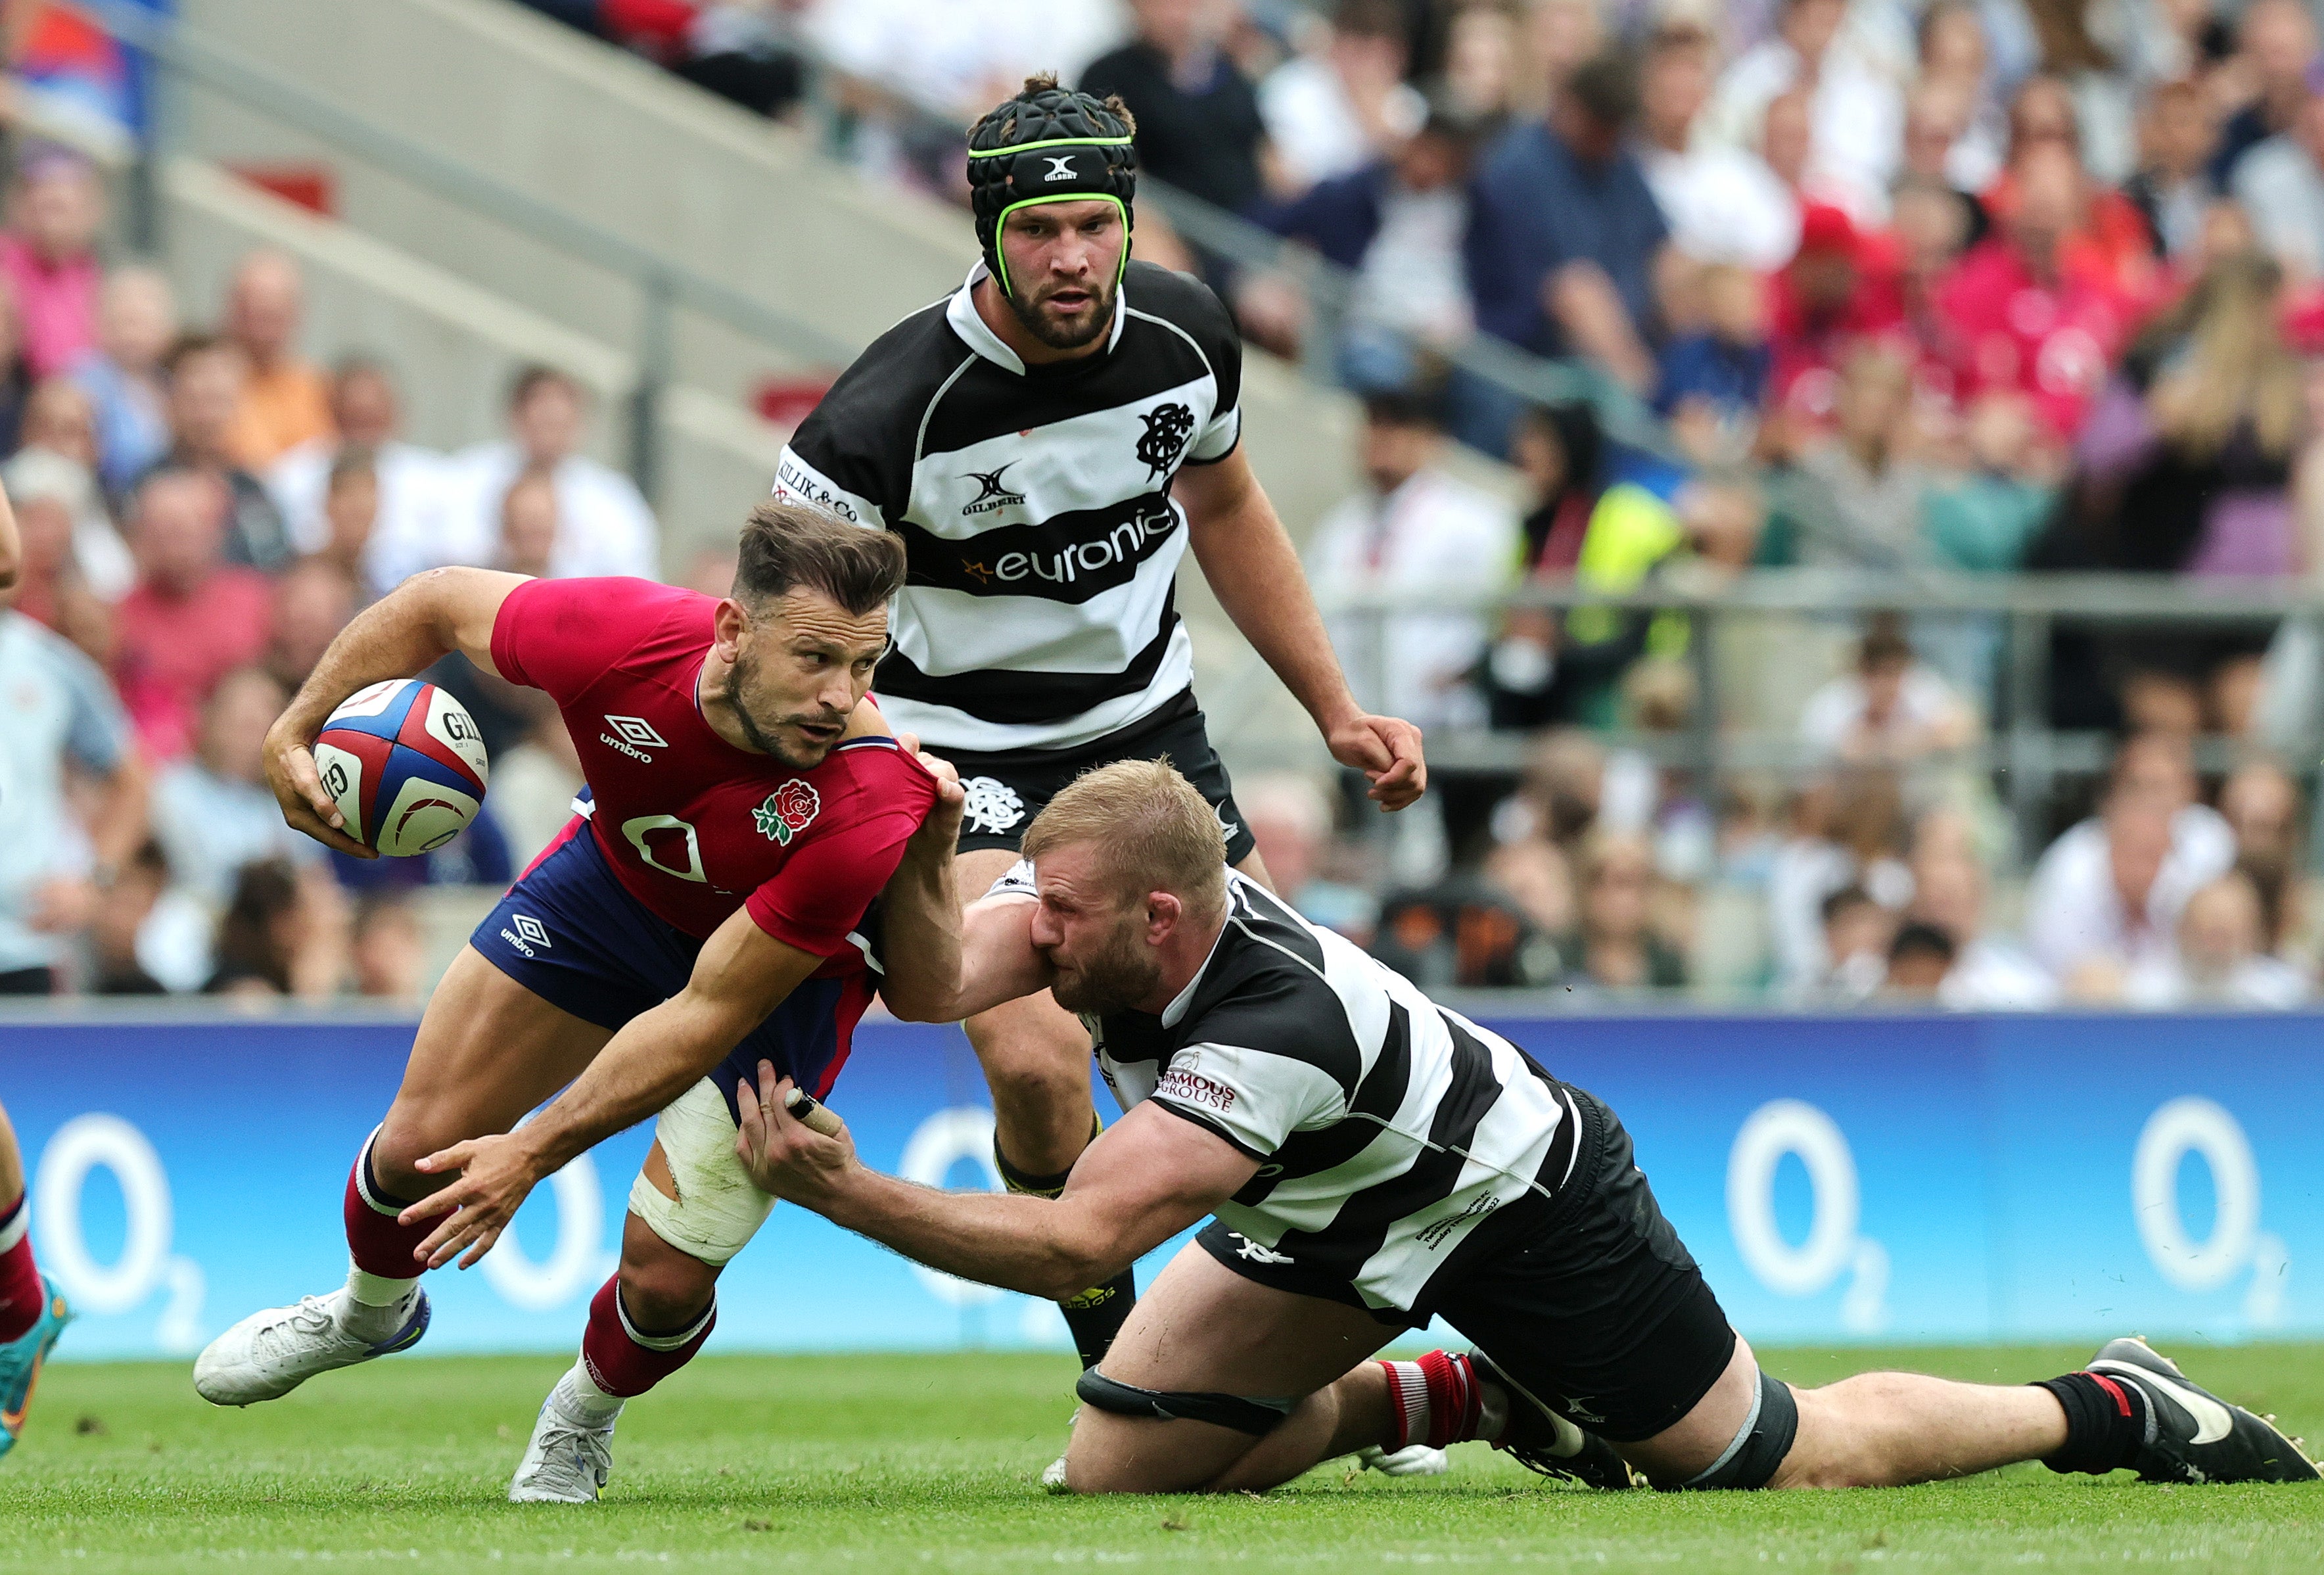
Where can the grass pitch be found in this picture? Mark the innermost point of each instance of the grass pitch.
(881, 1463)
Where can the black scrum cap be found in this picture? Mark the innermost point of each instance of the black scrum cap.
(1047, 144)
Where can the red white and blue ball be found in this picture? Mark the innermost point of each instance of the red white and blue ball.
(405, 764)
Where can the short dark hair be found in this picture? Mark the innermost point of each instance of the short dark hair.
(1921, 938)
(1403, 407)
(533, 377)
(185, 348)
(1606, 88)
(1840, 901)
(788, 546)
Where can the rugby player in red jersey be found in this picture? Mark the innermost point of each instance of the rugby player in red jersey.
(706, 910)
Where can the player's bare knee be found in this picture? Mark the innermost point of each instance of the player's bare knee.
(414, 1130)
(665, 1289)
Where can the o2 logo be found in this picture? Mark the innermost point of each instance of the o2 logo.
(97, 1141)
(963, 1135)
(2197, 1128)
(1833, 1247)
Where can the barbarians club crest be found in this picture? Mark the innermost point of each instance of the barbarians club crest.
(1168, 427)
(789, 810)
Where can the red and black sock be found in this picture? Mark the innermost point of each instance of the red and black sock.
(377, 1243)
(21, 1294)
(2105, 1423)
(1436, 1400)
(625, 1360)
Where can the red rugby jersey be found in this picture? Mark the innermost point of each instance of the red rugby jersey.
(695, 827)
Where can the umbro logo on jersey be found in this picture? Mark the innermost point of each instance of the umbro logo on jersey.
(1167, 428)
(1060, 166)
(991, 494)
(632, 736)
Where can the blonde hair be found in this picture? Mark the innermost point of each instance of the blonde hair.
(1153, 829)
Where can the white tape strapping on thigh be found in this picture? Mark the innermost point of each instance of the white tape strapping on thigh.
(717, 1209)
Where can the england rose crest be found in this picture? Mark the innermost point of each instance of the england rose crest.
(789, 810)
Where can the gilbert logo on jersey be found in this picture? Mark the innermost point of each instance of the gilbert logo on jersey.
(789, 810)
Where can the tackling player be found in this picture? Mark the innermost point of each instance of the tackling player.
(706, 911)
(31, 1314)
(1048, 443)
(1373, 1160)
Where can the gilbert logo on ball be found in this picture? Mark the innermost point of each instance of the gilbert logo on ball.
(405, 764)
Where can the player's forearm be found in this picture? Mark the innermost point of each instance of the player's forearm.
(655, 1056)
(921, 920)
(1249, 560)
(1031, 1245)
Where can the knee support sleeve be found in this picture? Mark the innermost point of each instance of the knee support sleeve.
(717, 1209)
(1759, 1445)
(1256, 1414)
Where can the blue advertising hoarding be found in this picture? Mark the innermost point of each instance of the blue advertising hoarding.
(1841, 1179)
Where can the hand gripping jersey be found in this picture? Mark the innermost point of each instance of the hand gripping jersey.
(1034, 506)
(692, 826)
(1388, 1127)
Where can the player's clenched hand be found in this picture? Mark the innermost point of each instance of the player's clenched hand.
(1387, 749)
(942, 826)
(496, 1173)
(782, 1155)
(306, 806)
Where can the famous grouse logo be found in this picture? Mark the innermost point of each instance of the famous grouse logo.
(992, 494)
(1168, 427)
(789, 810)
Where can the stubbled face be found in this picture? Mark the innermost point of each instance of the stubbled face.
(1065, 266)
(1096, 940)
(800, 664)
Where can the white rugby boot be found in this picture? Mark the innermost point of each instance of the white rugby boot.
(570, 1455)
(1412, 1460)
(275, 1350)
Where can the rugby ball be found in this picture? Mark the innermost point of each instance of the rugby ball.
(405, 764)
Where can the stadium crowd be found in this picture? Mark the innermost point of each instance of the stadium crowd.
(1999, 286)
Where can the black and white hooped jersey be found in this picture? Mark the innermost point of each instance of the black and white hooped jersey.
(1388, 1127)
(1034, 506)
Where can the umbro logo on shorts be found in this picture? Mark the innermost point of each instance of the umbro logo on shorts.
(632, 736)
(527, 933)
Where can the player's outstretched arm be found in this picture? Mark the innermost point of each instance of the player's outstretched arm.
(1146, 1178)
(427, 617)
(741, 976)
(1249, 560)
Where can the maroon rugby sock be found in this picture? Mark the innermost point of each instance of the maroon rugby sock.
(377, 1243)
(21, 1294)
(625, 1360)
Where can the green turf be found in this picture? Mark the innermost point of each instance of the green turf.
(881, 1463)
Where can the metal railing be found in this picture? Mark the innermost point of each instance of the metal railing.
(2027, 757)
(182, 55)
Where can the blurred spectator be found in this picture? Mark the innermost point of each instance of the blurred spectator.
(15, 378)
(1397, 223)
(1565, 235)
(1199, 126)
(409, 484)
(1463, 932)
(212, 812)
(314, 599)
(1839, 290)
(205, 378)
(122, 913)
(1615, 946)
(534, 784)
(388, 952)
(1858, 934)
(1892, 710)
(1857, 109)
(1533, 873)
(1724, 205)
(1480, 53)
(137, 323)
(2280, 183)
(2025, 321)
(2276, 49)
(57, 714)
(283, 934)
(2221, 958)
(604, 527)
(529, 525)
(2105, 899)
(1920, 960)
(1338, 106)
(1290, 817)
(1982, 517)
(1414, 529)
(1713, 382)
(1868, 484)
(747, 53)
(351, 516)
(193, 617)
(2173, 189)
(1847, 831)
(1956, 83)
(285, 401)
(1989, 971)
(59, 450)
(2262, 806)
(52, 586)
(48, 259)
